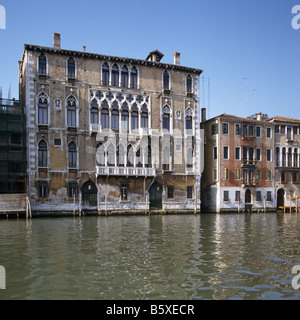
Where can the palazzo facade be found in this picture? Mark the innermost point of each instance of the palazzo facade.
(106, 133)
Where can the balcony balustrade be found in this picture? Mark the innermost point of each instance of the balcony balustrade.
(125, 171)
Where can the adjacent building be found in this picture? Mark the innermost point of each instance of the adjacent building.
(107, 133)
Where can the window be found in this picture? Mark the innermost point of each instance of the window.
(282, 129)
(258, 195)
(42, 65)
(189, 158)
(215, 174)
(166, 159)
(295, 130)
(214, 129)
(124, 192)
(105, 74)
(258, 154)
(115, 76)
(226, 195)
(237, 174)
(225, 153)
(42, 154)
(258, 132)
(133, 78)
(237, 153)
(277, 128)
(295, 158)
(166, 80)
(269, 154)
(72, 189)
(215, 154)
(189, 192)
(226, 174)
(43, 189)
(269, 175)
(170, 192)
(238, 196)
(225, 128)
(147, 157)
(269, 195)
(134, 117)
(120, 156)
(189, 83)
(57, 142)
(144, 117)
(125, 117)
(71, 111)
(94, 112)
(43, 108)
(269, 132)
(138, 158)
(130, 156)
(15, 138)
(238, 130)
(104, 115)
(124, 77)
(71, 68)
(258, 175)
(115, 116)
(188, 119)
(100, 154)
(166, 118)
(72, 155)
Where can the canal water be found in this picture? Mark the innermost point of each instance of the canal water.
(208, 256)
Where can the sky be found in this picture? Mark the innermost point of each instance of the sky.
(248, 49)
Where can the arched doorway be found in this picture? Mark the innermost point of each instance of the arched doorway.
(155, 196)
(280, 198)
(248, 205)
(89, 194)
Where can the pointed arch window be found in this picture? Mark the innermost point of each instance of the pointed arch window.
(94, 112)
(71, 111)
(104, 115)
(115, 116)
(295, 158)
(100, 154)
(105, 74)
(147, 157)
(72, 155)
(115, 76)
(111, 155)
(134, 117)
(144, 117)
(124, 77)
(189, 82)
(189, 119)
(120, 156)
(277, 156)
(130, 156)
(42, 64)
(166, 118)
(138, 158)
(125, 117)
(166, 80)
(71, 68)
(283, 157)
(133, 78)
(42, 154)
(43, 108)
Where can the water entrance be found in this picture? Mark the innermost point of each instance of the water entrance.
(155, 194)
(89, 194)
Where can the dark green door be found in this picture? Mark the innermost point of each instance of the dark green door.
(89, 194)
(155, 195)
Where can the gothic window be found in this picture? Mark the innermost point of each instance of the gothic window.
(71, 111)
(115, 76)
(125, 117)
(124, 77)
(166, 118)
(189, 82)
(129, 156)
(134, 117)
(166, 80)
(71, 68)
(42, 65)
(133, 78)
(42, 108)
(100, 154)
(105, 74)
(188, 119)
(138, 158)
(42, 154)
(144, 117)
(111, 155)
(94, 112)
(283, 157)
(147, 157)
(120, 156)
(115, 116)
(104, 115)
(72, 155)
(295, 158)
(277, 157)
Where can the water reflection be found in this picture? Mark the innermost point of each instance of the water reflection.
(208, 256)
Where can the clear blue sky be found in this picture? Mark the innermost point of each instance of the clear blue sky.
(230, 39)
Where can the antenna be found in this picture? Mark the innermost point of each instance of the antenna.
(246, 84)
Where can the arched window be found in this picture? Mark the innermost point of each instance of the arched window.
(111, 155)
(43, 108)
(166, 80)
(277, 157)
(104, 115)
(147, 157)
(71, 111)
(100, 154)
(94, 112)
(130, 156)
(138, 158)
(115, 76)
(72, 155)
(289, 157)
(71, 68)
(120, 156)
(144, 117)
(42, 154)
(189, 83)
(42, 64)
(134, 117)
(125, 117)
(189, 158)
(124, 77)
(133, 78)
(295, 158)
(283, 157)
(166, 118)
(188, 119)
(105, 74)
(115, 116)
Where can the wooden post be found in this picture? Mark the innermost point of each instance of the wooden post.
(284, 204)
(290, 204)
(296, 204)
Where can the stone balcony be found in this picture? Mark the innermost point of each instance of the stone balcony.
(125, 171)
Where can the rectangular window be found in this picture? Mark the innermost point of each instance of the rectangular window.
(215, 174)
(269, 132)
(15, 138)
(72, 189)
(124, 192)
(226, 195)
(225, 153)
(225, 128)
(215, 153)
(258, 154)
(289, 133)
(237, 153)
(226, 174)
(43, 113)
(258, 175)
(189, 192)
(269, 175)
(238, 130)
(258, 132)
(295, 130)
(269, 195)
(237, 174)
(277, 128)
(43, 189)
(269, 154)
(71, 115)
(258, 195)
(282, 129)
(238, 196)
(214, 129)
(57, 142)
(170, 192)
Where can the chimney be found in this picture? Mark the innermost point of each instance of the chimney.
(84, 48)
(258, 116)
(177, 58)
(203, 114)
(56, 40)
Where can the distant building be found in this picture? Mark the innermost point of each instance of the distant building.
(239, 164)
(107, 133)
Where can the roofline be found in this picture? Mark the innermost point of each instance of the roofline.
(237, 118)
(95, 56)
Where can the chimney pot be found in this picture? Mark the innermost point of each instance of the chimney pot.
(56, 40)
(177, 58)
(84, 48)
